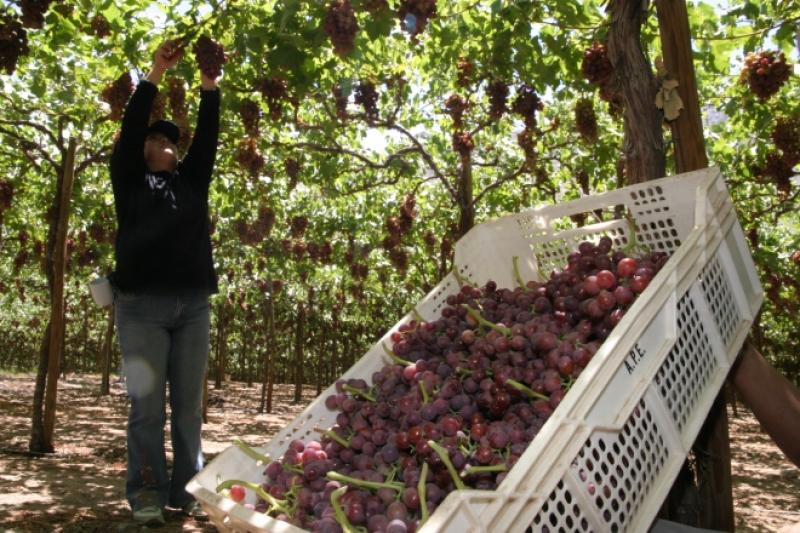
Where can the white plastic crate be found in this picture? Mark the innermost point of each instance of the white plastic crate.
(606, 458)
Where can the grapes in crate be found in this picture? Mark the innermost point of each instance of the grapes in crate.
(461, 400)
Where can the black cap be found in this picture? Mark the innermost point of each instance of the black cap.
(167, 128)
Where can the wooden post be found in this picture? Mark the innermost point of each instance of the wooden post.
(712, 447)
(299, 339)
(676, 43)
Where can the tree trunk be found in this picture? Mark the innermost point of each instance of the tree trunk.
(299, 339)
(321, 355)
(714, 488)
(105, 358)
(644, 142)
(42, 437)
(85, 334)
(268, 312)
(248, 360)
(37, 427)
(62, 357)
(466, 204)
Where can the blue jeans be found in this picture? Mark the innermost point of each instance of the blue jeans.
(164, 339)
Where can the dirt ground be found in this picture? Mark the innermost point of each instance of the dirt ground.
(80, 488)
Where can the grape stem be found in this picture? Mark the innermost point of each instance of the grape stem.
(423, 503)
(334, 436)
(470, 470)
(370, 485)
(445, 457)
(526, 390)
(275, 504)
(417, 315)
(482, 321)
(293, 468)
(425, 398)
(250, 452)
(398, 360)
(354, 391)
(341, 516)
(634, 246)
(517, 276)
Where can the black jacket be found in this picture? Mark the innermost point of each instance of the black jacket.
(163, 243)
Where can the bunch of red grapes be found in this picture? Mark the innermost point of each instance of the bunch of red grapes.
(415, 14)
(779, 167)
(257, 231)
(456, 106)
(249, 158)
(274, 91)
(101, 233)
(6, 194)
(245, 232)
(765, 73)
(465, 69)
(341, 26)
(527, 103)
(779, 171)
(359, 270)
(498, 96)
(100, 26)
(586, 120)
(210, 56)
(292, 167)
(299, 249)
(398, 256)
(158, 110)
(598, 70)
(265, 220)
(250, 113)
(459, 405)
(399, 226)
(117, 94)
(298, 226)
(596, 65)
(582, 177)
(176, 94)
(33, 12)
(340, 101)
(786, 137)
(321, 252)
(13, 42)
(429, 239)
(463, 143)
(367, 96)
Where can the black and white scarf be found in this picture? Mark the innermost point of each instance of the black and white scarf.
(162, 186)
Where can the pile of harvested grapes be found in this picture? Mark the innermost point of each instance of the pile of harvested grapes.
(464, 397)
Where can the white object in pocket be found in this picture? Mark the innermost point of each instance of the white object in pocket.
(101, 291)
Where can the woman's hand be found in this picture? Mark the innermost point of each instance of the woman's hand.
(167, 56)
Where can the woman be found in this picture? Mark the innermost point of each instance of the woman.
(163, 277)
